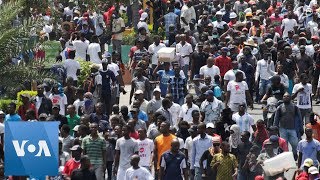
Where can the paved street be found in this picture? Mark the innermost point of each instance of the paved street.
(256, 113)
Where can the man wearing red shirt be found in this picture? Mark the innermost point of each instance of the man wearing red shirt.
(223, 62)
(273, 130)
(276, 21)
(73, 163)
(107, 16)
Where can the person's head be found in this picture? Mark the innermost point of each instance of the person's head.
(94, 129)
(202, 128)
(142, 133)
(126, 129)
(175, 145)
(157, 93)
(189, 98)
(268, 146)
(280, 69)
(166, 66)
(76, 151)
(207, 80)
(235, 64)
(135, 159)
(55, 110)
(313, 172)
(210, 62)
(11, 108)
(30, 114)
(239, 76)
(65, 130)
(195, 115)
(304, 78)
(177, 70)
(164, 127)
(84, 120)
(134, 112)
(160, 119)
(85, 162)
(166, 103)
(99, 108)
(139, 95)
(309, 133)
(209, 95)
(115, 109)
(307, 163)
(138, 71)
(225, 147)
(71, 110)
(275, 80)
(302, 49)
(156, 39)
(242, 108)
(210, 128)
(40, 90)
(82, 130)
(124, 110)
(273, 130)
(245, 136)
(286, 98)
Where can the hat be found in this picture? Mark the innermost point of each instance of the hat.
(196, 77)
(107, 54)
(144, 15)
(134, 110)
(258, 11)
(209, 92)
(315, 37)
(25, 95)
(215, 140)
(55, 106)
(268, 143)
(77, 12)
(249, 14)
(43, 115)
(157, 90)
(255, 18)
(95, 66)
(268, 41)
(232, 15)
(210, 125)
(313, 170)
(1, 112)
(225, 49)
(138, 92)
(308, 162)
(244, 29)
(219, 13)
(76, 128)
(274, 138)
(76, 148)
(250, 42)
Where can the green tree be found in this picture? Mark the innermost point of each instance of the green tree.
(15, 25)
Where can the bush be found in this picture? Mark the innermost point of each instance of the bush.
(85, 71)
(4, 104)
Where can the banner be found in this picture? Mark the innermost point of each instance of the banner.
(31, 148)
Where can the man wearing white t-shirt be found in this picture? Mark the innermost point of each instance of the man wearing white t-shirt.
(237, 93)
(187, 108)
(81, 47)
(94, 51)
(72, 67)
(231, 74)
(146, 147)
(288, 24)
(118, 27)
(137, 172)
(209, 70)
(303, 92)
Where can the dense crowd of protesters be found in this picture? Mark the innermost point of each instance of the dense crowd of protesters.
(186, 118)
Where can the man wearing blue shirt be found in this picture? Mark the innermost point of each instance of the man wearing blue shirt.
(12, 115)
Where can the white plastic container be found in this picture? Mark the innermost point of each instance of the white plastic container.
(279, 164)
(167, 54)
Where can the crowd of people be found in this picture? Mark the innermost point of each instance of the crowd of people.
(186, 118)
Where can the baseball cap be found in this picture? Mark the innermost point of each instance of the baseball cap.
(1, 112)
(55, 106)
(138, 92)
(219, 13)
(76, 148)
(313, 170)
(210, 125)
(308, 162)
(215, 140)
(157, 90)
(43, 115)
(274, 138)
(76, 128)
(196, 77)
(144, 15)
(208, 92)
(232, 15)
(107, 54)
(225, 49)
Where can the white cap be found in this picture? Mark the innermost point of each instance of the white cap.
(210, 125)
(76, 128)
(157, 90)
(313, 170)
(139, 92)
(144, 15)
(219, 13)
(232, 15)
(1, 112)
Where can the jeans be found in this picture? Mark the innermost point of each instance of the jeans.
(197, 173)
(305, 114)
(98, 170)
(263, 84)
(116, 45)
(185, 69)
(290, 135)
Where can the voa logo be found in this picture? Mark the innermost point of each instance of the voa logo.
(41, 148)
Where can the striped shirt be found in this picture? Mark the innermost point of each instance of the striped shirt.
(94, 149)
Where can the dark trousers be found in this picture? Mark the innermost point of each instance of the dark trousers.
(109, 169)
(106, 99)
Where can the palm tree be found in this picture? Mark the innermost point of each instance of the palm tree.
(15, 41)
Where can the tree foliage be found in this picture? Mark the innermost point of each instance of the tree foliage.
(15, 41)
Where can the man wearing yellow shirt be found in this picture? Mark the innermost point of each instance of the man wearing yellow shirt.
(225, 164)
